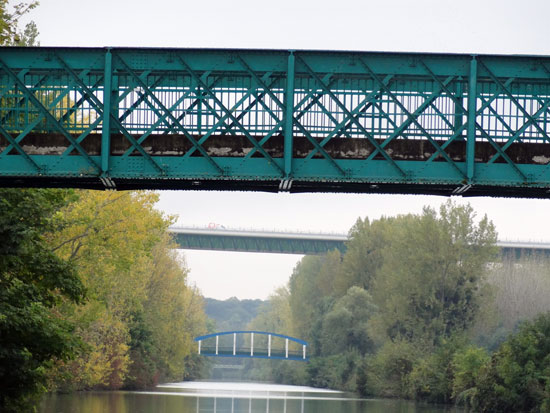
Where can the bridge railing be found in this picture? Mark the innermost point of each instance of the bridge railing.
(269, 347)
(275, 120)
(246, 351)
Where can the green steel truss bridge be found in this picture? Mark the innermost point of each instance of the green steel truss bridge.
(275, 120)
(220, 239)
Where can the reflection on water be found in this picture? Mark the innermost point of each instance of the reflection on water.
(207, 397)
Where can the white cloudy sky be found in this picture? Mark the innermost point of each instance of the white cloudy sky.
(457, 26)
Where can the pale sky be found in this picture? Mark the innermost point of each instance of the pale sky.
(464, 26)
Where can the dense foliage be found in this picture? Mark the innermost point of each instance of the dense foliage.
(10, 32)
(33, 281)
(140, 318)
(231, 314)
(136, 326)
(517, 377)
(413, 309)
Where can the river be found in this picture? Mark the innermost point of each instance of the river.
(227, 397)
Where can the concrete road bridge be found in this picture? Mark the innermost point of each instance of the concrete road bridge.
(250, 240)
(275, 120)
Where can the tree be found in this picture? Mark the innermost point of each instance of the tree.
(363, 257)
(173, 312)
(311, 294)
(141, 316)
(429, 286)
(517, 378)
(10, 33)
(33, 280)
(345, 326)
(275, 315)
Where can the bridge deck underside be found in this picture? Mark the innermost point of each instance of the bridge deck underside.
(275, 120)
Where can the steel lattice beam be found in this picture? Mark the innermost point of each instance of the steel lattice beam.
(275, 120)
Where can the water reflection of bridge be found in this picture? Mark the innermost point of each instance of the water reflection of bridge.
(233, 404)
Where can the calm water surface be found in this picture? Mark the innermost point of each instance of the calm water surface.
(212, 397)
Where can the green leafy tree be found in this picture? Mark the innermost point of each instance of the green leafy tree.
(434, 375)
(10, 33)
(141, 317)
(345, 326)
(364, 254)
(467, 365)
(430, 285)
(517, 378)
(33, 280)
(311, 288)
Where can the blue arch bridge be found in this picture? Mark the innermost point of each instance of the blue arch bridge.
(275, 120)
(252, 344)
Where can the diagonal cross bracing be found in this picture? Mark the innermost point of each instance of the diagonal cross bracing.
(275, 120)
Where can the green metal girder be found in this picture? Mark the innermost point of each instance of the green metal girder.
(275, 120)
(273, 243)
(300, 243)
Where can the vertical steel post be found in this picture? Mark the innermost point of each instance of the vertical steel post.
(199, 346)
(472, 106)
(269, 345)
(234, 343)
(289, 114)
(459, 109)
(286, 347)
(251, 344)
(217, 340)
(199, 110)
(107, 96)
(304, 351)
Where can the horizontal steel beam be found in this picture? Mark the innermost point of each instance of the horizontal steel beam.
(275, 120)
(253, 241)
(216, 239)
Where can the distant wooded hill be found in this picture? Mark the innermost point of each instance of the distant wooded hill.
(232, 314)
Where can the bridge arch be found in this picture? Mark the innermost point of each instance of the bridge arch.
(293, 348)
